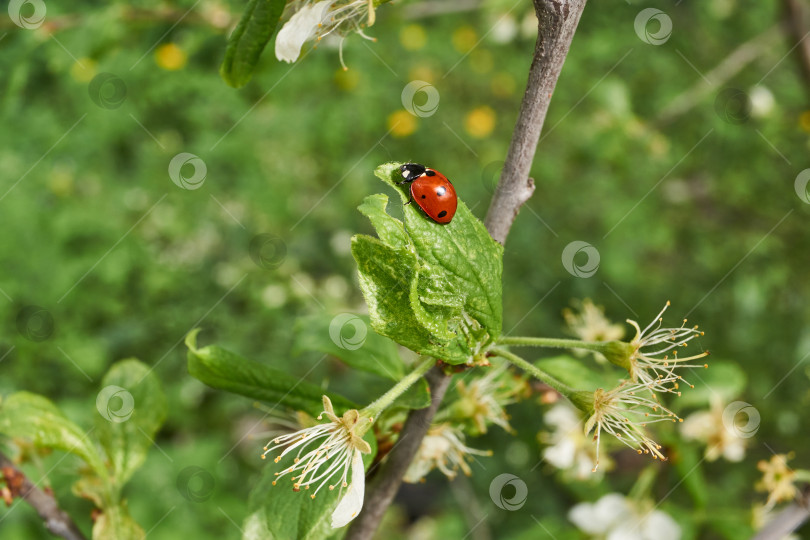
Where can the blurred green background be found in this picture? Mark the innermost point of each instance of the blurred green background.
(699, 208)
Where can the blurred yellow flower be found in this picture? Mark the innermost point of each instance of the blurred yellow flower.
(804, 121)
(401, 123)
(777, 479)
(83, 70)
(464, 39)
(480, 121)
(422, 72)
(347, 80)
(170, 57)
(413, 37)
(60, 182)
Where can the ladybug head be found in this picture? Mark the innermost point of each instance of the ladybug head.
(412, 171)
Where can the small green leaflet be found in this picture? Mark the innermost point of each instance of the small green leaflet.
(30, 416)
(222, 369)
(126, 433)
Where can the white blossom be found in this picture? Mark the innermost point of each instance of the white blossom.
(762, 101)
(614, 517)
(568, 447)
(301, 27)
(778, 480)
(708, 428)
(313, 21)
(442, 448)
(654, 354)
(332, 450)
(624, 412)
(483, 400)
(588, 322)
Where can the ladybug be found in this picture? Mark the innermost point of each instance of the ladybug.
(431, 190)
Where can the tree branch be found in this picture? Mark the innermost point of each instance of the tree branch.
(57, 521)
(380, 493)
(557, 21)
(796, 18)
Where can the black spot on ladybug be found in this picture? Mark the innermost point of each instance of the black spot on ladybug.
(423, 196)
(441, 190)
(442, 213)
(430, 172)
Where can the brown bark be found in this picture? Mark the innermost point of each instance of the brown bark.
(57, 521)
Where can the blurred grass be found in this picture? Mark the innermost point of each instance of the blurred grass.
(95, 232)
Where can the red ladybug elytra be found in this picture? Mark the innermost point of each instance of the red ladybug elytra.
(431, 190)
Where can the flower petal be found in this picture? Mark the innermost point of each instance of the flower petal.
(660, 526)
(301, 27)
(351, 503)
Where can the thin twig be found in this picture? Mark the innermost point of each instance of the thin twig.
(557, 23)
(467, 501)
(558, 20)
(796, 17)
(720, 75)
(57, 521)
(424, 10)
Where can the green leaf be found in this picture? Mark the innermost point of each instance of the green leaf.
(279, 513)
(723, 380)
(389, 282)
(429, 287)
(687, 460)
(91, 487)
(390, 230)
(348, 337)
(131, 408)
(30, 416)
(225, 370)
(115, 522)
(248, 40)
(574, 373)
(463, 258)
